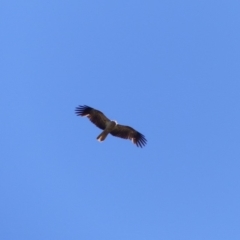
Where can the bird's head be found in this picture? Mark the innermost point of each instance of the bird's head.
(114, 121)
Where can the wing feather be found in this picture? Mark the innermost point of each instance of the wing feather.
(94, 115)
(127, 132)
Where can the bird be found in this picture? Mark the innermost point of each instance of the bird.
(112, 127)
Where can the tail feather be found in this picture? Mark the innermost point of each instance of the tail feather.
(101, 137)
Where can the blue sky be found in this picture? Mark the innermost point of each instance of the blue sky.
(170, 69)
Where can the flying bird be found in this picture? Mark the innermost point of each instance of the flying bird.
(112, 127)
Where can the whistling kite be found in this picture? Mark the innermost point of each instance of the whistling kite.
(112, 127)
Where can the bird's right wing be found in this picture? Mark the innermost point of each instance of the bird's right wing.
(127, 132)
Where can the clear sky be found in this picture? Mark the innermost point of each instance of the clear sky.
(170, 69)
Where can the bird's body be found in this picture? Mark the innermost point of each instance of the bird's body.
(112, 127)
(109, 128)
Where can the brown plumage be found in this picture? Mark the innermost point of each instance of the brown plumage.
(108, 126)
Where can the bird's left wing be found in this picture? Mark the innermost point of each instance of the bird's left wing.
(127, 132)
(94, 115)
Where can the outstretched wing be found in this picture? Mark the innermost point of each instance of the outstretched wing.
(95, 116)
(129, 133)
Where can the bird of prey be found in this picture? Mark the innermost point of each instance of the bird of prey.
(112, 127)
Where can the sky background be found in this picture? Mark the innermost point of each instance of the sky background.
(170, 69)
